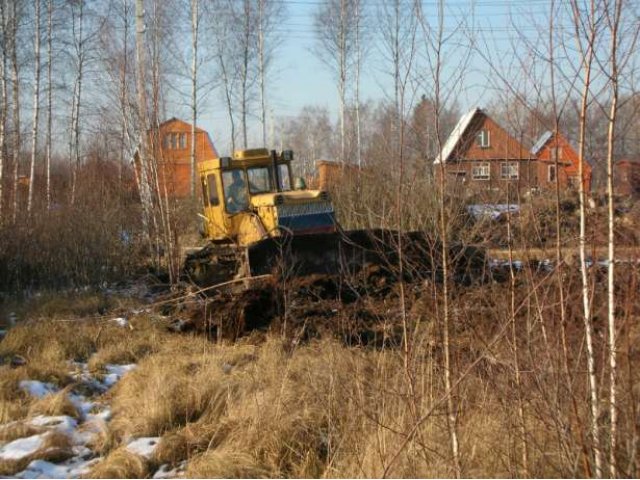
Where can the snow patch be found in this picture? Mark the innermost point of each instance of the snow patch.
(37, 389)
(143, 446)
(121, 322)
(60, 423)
(73, 468)
(116, 372)
(22, 447)
(166, 472)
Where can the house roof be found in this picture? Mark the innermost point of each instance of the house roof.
(542, 141)
(456, 135)
(635, 162)
(178, 120)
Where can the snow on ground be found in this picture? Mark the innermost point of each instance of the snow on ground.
(93, 420)
(115, 373)
(37, 389)
(73, 468)
(22, 447)
(121, 322)
(143, 446)
(166, 472)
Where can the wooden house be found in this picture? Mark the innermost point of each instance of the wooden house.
(626, 178)
(550, 147)
(481, 155)
(331, 173)
(171, 149)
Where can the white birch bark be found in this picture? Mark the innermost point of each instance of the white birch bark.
(195, 22)
(145, 191)
(4, 102)
(587, 60)
(36, 106)
(15, 78)
(49, 100)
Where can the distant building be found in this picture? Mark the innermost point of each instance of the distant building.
(330, 173)
(626, 178)
(547, 149)
(171, 149)
(481, 155)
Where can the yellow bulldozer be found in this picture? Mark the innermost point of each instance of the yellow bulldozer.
(259, 221)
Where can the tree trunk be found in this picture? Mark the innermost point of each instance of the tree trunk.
(587, 58)
(194, 91)
(16, 108)
(36, 106)
(262, 69)
(5, 102)
(49, 99)
(145, 192)
(611, 297)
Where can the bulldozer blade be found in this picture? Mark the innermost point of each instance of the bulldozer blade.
(409, 255)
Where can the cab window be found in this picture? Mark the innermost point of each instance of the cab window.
(213, 190)
(235, 190)
(285, 178)
(205, 196)
(259, 180)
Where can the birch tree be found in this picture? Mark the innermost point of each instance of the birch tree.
(335, 47)
(49, 101)
(195, 27)
(269, 14)
(145, 191)
(3, 99)
(36, 104)
(15, 11)
(623, 39)
(78, 38)
(586, 26)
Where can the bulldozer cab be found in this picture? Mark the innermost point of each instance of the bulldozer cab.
(249, 197)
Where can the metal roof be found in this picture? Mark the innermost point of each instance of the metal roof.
(456, 135)
(546, 136)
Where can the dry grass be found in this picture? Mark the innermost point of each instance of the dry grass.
(54, 404)
(14, 401)
(224, 463)
(120, 464)
(17, 429)
(323, 409)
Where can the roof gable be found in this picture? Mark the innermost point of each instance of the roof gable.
(456, 135)
(501, 145)
(176, 122)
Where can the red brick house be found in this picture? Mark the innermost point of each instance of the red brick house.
(546, 149)
(171, 147)
(331, 173)
(482, 155)
(626, 178)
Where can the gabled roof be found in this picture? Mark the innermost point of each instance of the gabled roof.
(178, 120)
(542, 141)
(456, 135)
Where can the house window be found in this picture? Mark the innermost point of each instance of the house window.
(482, 171)
(552, 173)
(175, 141)
(483, 140)
(509, 171)
(556, 154)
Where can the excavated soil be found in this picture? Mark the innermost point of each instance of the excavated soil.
(362, 309)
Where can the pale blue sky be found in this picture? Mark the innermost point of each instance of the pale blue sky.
(298, 78)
